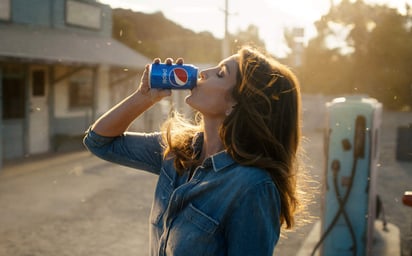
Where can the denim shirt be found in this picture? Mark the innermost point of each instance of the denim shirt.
(223, 209)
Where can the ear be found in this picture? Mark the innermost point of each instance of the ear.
(230, 109)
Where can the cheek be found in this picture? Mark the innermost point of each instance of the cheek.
(194, 99)
(216, 104)
(210, 97)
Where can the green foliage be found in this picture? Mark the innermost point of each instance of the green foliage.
(155, 36)
(376, 59)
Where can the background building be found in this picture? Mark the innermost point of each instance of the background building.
(60, 68)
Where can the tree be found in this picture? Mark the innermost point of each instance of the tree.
(390, 57)
(372, 57)
(163, 38)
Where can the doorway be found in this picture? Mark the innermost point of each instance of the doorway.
(13, 109)
(38, 121)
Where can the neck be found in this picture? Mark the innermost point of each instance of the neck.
(212, 143)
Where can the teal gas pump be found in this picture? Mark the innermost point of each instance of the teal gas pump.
(351, 150)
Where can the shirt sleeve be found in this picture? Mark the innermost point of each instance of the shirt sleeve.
(254, 226)
(137, 150)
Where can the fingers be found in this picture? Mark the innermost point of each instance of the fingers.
(179, 61)
(156, 94)
(168, 61)
(144, 88)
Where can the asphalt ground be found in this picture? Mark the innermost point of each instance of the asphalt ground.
(73, 203)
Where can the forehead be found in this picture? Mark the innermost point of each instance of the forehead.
(231, 63)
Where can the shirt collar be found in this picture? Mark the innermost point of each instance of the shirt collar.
(221, 160)
(218, 161)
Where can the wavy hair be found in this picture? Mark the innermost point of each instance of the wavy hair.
(263, 129)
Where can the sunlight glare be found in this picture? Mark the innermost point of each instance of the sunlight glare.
(303, 11)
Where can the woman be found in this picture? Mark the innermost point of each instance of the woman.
(227, 183)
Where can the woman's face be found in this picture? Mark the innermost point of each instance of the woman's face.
(212, 95)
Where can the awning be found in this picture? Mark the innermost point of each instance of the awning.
(66, 47)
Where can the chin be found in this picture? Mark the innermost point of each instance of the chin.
(191, 102)
(188, 99)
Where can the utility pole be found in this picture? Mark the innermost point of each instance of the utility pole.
(331, 4)
(225, 41)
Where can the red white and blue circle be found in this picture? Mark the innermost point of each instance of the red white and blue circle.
(178, 77)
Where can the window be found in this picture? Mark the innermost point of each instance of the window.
(39, 83)
(83, 14)
(4, 9)
(81, 90)
(13, 98)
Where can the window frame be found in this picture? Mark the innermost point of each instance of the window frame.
(80, 90)
(5, 13)
(76, 12)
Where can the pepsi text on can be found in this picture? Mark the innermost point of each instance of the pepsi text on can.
(176, 76)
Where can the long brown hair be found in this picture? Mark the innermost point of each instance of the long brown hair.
(263, 129)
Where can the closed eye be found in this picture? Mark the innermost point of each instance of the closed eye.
(221, 71)
(220, 74)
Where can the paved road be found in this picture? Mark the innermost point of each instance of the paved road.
(75, 204)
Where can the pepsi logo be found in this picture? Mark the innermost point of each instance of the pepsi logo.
(178, 77)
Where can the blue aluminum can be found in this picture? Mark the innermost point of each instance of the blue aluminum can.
(164, 76)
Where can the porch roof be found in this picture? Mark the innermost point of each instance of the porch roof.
(66, 47)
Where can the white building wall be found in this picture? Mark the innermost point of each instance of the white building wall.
(61, 97)
(102, 96)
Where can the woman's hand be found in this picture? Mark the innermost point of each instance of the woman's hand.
(155, 94)
(116, 121)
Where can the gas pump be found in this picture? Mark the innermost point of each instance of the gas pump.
(351, 150)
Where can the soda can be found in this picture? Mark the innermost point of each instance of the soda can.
(175, 76)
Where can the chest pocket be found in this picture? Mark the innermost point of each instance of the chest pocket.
(195, 233)
(163, 192)
(200, 219)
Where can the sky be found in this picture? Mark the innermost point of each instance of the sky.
(270, 16)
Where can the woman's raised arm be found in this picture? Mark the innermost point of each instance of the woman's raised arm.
(116, 121)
